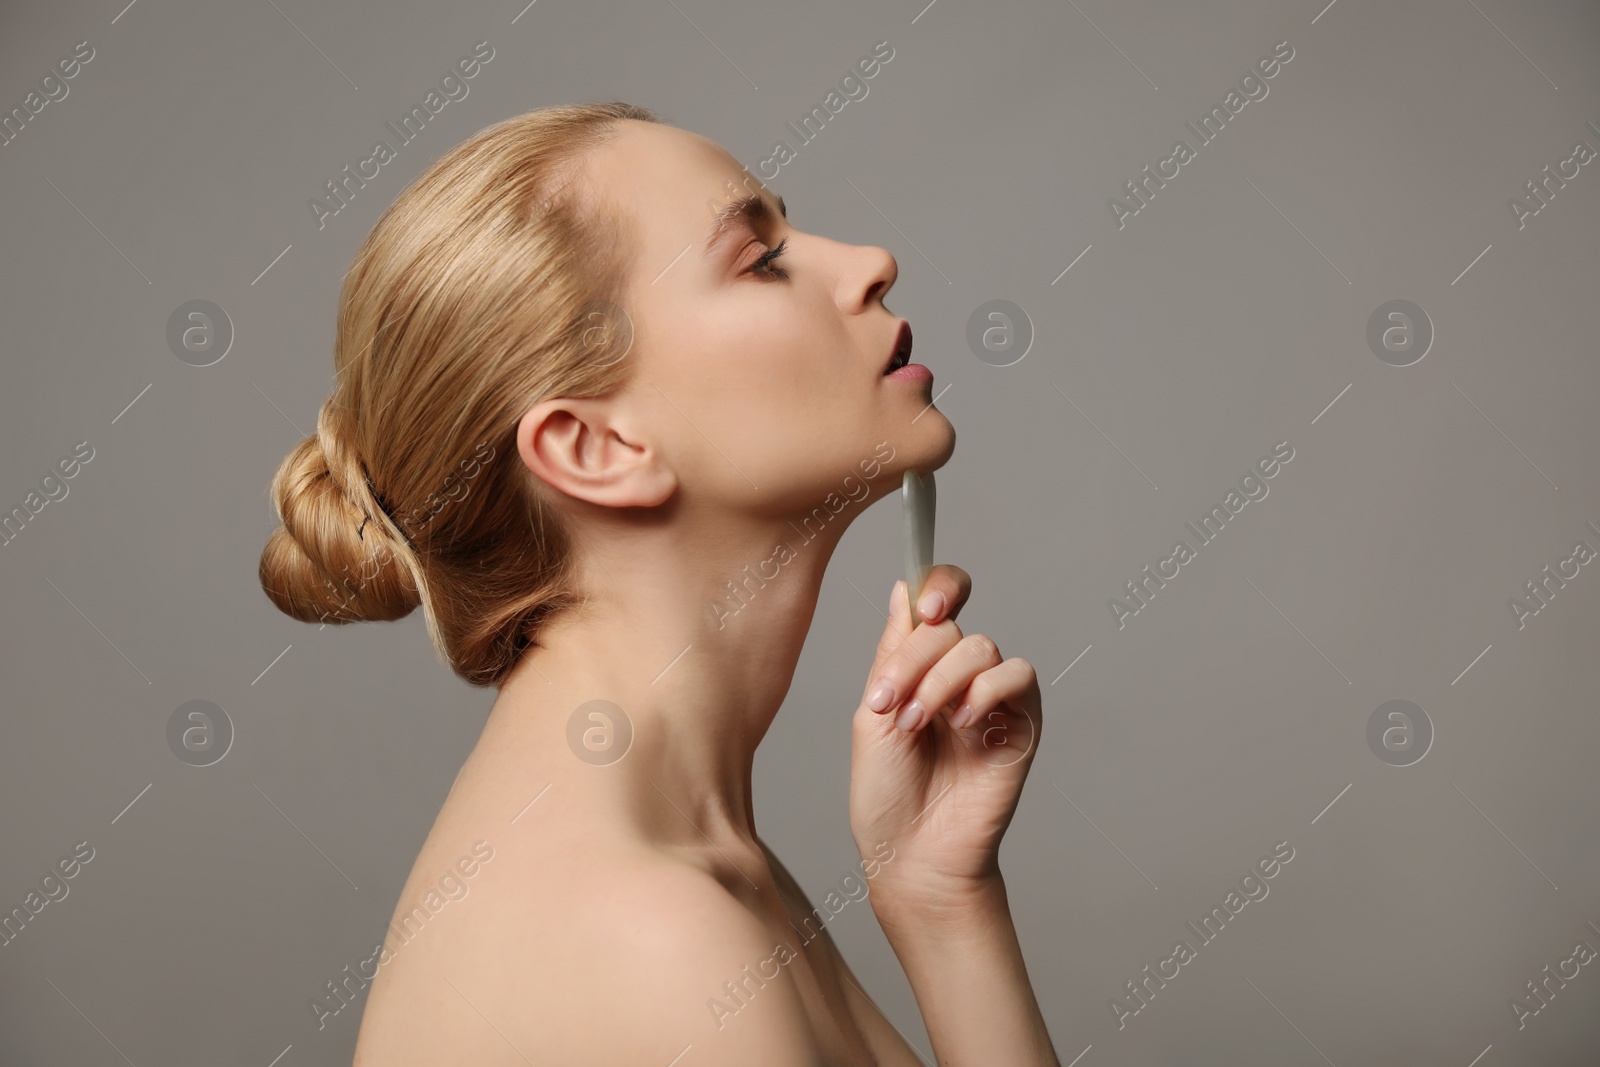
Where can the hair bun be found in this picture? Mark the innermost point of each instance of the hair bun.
(331, 560)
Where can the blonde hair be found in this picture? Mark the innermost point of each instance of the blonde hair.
(490, 284)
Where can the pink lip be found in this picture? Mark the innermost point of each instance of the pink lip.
(902, 340)
(912, 372)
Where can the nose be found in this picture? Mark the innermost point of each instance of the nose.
(868, 278)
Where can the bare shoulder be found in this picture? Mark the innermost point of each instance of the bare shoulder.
(607, 953)
(888, 1045)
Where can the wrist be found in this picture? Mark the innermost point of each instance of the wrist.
(962, 956)
(917, 902)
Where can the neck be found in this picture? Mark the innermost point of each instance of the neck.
(692, 630)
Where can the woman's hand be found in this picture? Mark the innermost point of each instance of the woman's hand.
(938, 763)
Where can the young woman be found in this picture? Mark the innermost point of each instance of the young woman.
(605, 415)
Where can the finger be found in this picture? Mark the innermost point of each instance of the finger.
(955, 672)
(896, 628)
(1013, 682)
(945, 590)
(900, 666)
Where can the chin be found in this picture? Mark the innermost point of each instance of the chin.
(927, 448)
(949, 448)
(933, 448)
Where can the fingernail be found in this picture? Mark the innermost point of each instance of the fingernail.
(931, 604)
(963, 716)
(881, 696)
(910, 715)
(893, 589)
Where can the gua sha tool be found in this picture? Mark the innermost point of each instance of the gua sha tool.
(918, 498)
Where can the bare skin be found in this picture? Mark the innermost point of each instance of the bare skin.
(623, 893)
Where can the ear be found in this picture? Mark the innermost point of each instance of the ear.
(580, 447)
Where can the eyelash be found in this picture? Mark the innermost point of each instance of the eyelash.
(764, 263)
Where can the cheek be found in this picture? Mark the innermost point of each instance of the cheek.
(774, 392)
(784, 367)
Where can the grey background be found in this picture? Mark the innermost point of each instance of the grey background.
(1228, 315)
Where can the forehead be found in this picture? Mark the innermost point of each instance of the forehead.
(669, 181)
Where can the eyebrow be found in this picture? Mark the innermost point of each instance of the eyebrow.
(749, 210)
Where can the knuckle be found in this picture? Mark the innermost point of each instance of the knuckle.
(984, 648)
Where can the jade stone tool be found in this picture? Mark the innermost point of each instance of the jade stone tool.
(918, 499)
